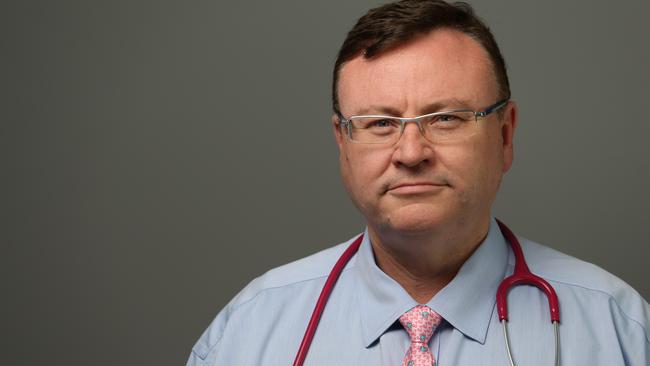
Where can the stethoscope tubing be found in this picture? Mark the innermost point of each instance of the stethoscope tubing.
(521, 275)
(322, 300)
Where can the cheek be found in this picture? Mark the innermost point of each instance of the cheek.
(362, 172)
(459, 164)
(473, 168)
(365, 166)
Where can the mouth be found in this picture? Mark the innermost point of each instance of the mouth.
(415, 188)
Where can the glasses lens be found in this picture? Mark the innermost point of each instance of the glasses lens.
(449, 126)
(374, 129)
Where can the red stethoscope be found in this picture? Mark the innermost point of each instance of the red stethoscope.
(521, 276)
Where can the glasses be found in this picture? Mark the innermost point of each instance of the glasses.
(436, 127)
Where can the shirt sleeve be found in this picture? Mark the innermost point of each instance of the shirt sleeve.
(632, 321)
(206, 348)
(633, 341)
(195, 360)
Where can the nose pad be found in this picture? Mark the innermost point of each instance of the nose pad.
(417, 124)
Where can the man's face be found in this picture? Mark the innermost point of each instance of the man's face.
(414, 185)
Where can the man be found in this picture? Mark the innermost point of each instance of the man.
(421, 289)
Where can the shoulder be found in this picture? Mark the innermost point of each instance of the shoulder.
(588, 283)
(564, 269)
(273, 289)
(314, 267)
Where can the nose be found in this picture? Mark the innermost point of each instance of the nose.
(412, 148)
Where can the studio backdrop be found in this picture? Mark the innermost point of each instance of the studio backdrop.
(156, 156)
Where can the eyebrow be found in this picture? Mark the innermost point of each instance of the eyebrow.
(446, 104)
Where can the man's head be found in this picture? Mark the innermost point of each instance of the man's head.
(429, 62)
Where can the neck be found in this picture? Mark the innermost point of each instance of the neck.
(425, 262)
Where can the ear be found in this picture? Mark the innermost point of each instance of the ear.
(338, 134)
(510, 116)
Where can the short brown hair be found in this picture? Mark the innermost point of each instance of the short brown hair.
(394, 24)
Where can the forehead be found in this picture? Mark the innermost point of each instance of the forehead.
(440, 66)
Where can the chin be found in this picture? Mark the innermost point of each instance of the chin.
(416, 218)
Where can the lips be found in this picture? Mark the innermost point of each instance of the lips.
(405, 188)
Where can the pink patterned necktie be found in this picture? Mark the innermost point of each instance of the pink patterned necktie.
(420, 323)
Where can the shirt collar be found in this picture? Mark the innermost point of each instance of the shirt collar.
(466, 303)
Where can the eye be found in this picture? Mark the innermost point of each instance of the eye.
(450, 120)
(375, 123)
(447, 118)
(379, 123)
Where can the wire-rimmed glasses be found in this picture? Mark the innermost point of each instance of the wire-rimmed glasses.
(436, 127)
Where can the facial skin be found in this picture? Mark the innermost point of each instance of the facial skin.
(413, 188)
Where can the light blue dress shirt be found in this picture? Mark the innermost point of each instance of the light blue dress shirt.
(603, 320)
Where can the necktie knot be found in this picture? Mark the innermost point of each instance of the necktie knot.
(420, 323)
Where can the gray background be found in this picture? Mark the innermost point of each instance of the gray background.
(156, 156)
